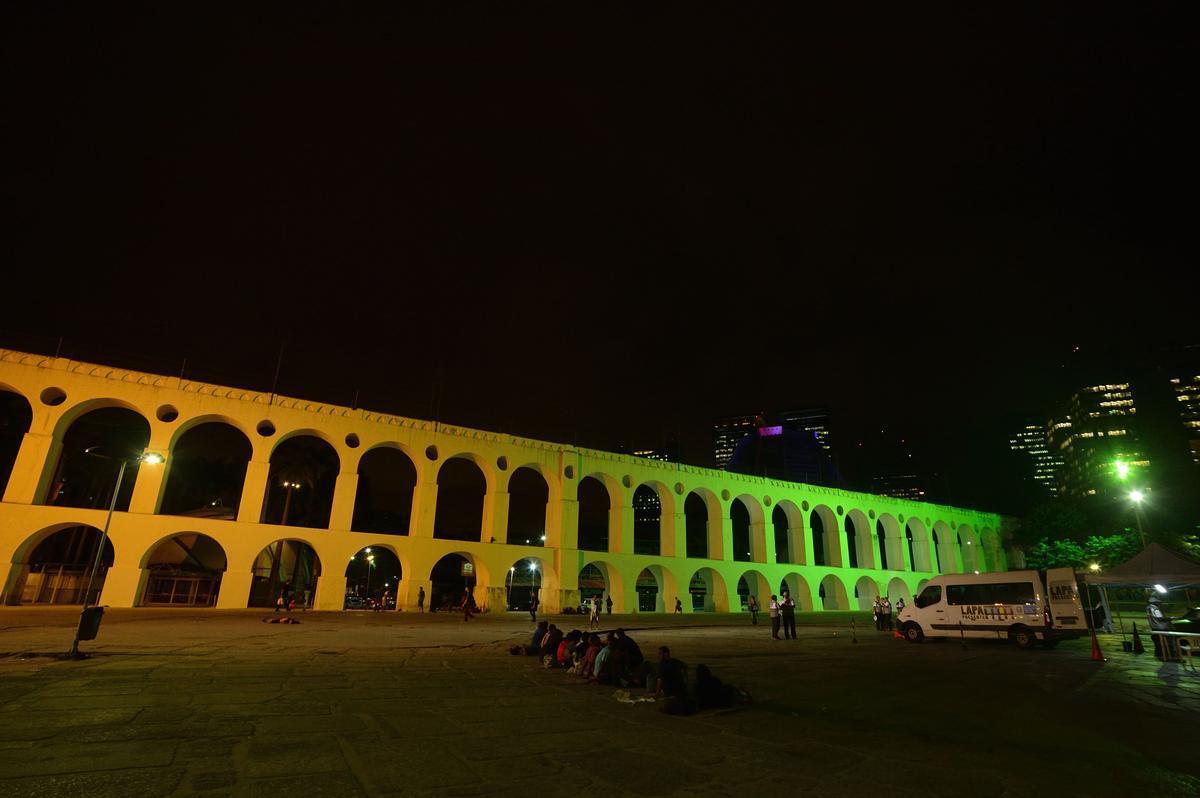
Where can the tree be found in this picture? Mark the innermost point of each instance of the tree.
(1105, 550)
(1055, 520)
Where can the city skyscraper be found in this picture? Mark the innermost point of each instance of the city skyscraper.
(1032, 440)
(1098, 437)
(813, 420)
(729, 431)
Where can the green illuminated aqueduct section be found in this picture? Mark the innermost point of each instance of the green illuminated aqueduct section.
(827, 546)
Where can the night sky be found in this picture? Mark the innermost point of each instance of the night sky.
(610, 223)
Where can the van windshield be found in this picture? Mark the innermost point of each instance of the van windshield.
(931, 595)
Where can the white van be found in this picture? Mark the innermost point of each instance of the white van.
(1012, 604)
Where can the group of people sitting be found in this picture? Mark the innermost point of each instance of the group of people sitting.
(617, 660)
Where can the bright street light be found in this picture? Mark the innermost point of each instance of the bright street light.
(1094, 566)
(1136, 497)
(152, 458)
(1122, 469)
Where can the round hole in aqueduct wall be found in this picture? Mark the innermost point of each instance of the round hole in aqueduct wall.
(841, 510)
(627, 481)
(679, 488)
(766, 501)
(804, 506)
(265, 428)
(870, 513)
(54, 396)
(569, 472)
(502, 463)
(725, 495)
(352, 441)
(431, 452)
(166, 414)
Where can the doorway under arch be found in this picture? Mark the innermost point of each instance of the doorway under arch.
(523, 581)
(372, 578)
(184, 570)
(285, 568)
(57, 569)
(833, 594)
(450, 578)
(709, 593)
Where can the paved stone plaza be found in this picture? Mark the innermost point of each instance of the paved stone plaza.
(182, 702)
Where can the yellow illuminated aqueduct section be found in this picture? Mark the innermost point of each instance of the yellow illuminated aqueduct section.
(458, 508)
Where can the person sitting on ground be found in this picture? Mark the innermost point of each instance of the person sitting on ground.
(672, 684)
(588, 668)
(562, 656)
(548, 648)
(629, 665)
(604, 667)
(579, 650)
(539, 632)
(711, 692)
(633, 653)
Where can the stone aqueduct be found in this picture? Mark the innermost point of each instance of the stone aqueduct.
(915, 539)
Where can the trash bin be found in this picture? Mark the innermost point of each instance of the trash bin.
(89, 623)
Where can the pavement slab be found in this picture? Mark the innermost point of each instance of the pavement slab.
(343, 704)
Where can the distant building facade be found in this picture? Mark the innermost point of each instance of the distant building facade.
(1033, 441)
(1098, 436)
(729, 431)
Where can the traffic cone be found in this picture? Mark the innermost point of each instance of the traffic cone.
(897, 634)
(1096, 655)
(1138, 648)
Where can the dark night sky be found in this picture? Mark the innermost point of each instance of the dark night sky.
(606, 224)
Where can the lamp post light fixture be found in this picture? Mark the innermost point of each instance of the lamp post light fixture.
(289, 486)
(151, 458)
(370, 565)
(1137, 496)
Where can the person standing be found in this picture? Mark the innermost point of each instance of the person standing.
(594, 618)
(877, 614)
(773, 612)
(468, 602)
(608, 604)
(307, 599)
(887, 614)
(533, 606)
(678, 605)
(752, 606)
(900, 605)
(787, 610)
(1159, 622)
(421, 600)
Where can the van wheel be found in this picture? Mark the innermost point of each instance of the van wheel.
(1024, 637)
(913, 633)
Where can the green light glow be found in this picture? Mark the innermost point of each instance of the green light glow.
(1122, 469)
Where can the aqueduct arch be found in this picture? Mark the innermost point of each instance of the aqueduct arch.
(795, 534)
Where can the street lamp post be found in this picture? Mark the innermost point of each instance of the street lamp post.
(1136, 496)
(370, 565)
(146, 457)
(289, 486)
